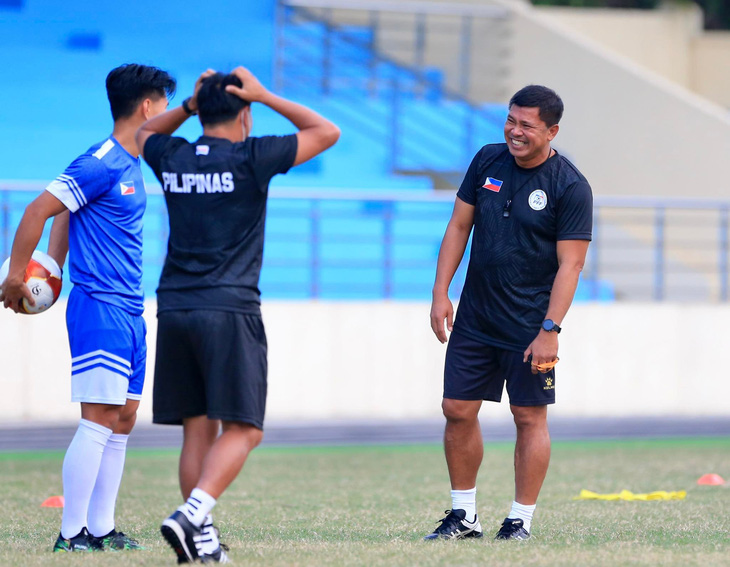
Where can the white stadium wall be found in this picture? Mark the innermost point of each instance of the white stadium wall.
(709, 74)
(669, 41)
(661, 40)
(379, 360)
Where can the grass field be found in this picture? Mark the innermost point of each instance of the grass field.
(371, 505)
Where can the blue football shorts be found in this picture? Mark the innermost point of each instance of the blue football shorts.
(477, 371)
(108, 351)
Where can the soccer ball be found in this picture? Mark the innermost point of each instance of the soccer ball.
(43, 278)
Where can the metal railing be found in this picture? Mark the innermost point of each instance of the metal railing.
(354, 245)
(661, 249)
(341, 52)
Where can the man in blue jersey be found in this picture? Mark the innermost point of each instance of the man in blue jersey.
(98, 204)
(210, 370)
(531, 212)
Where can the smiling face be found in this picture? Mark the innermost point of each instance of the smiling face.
(528, 137)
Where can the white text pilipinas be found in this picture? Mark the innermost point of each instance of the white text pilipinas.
(197, 182)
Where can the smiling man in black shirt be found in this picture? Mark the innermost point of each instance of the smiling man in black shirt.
(211, 346)
(531, 213)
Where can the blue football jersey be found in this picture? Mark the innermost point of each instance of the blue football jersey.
(105, 193)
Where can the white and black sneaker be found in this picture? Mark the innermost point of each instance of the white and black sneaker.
(218, 556)
(456, 526)
(182, 535)
(210, 539)
(512, 529)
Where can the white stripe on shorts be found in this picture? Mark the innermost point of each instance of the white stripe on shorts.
(101, 353)
(125, 370)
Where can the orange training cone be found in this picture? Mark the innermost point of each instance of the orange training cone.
(711, 479)
(53, 502)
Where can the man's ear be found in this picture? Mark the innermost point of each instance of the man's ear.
(553, 131)
(145, 108)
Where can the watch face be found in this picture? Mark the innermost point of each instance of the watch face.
(548, 325)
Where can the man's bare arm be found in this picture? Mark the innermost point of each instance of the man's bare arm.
(29, 232)
(450, 255)
(316, 133)
(58, 241)
(571, 257)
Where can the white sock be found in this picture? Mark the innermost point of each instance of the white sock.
(80, 469)
(104, 498)
(209, 539)
(522, 512)
(465, 500)
(198, 506)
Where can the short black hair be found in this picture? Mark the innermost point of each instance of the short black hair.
(129, 84)
(215, 105)
(546, 100)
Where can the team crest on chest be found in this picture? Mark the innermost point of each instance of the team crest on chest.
(537, 200)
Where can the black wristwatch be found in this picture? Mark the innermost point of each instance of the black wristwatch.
(186, 108)
(549, 325)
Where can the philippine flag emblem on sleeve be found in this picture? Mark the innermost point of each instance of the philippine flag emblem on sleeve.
(127, 187)
(493, 184)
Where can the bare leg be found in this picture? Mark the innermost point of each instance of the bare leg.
(127, 418)
(532, 452)
(102, 414)
(199, 434)
(226, 458)
(463, 442)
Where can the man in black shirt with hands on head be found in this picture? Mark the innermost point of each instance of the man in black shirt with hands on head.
(211, 362)
(531, 212)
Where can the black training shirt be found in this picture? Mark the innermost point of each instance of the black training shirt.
(215, 191)
(513, 259)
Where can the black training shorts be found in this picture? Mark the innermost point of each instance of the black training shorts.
(210, 363)
(475, 371)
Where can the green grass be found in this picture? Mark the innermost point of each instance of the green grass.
(371, 506)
